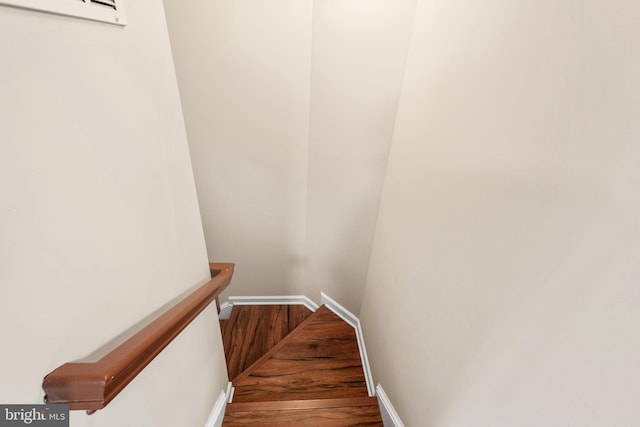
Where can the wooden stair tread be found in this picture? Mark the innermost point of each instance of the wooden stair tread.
(319, 360)
(313, 376)
(253, 330)
(281, 405)
(324, 412)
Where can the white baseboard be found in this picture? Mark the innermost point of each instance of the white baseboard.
(390, 417)
(339, 310)
(230, 390)
(270, 300)
(217, 413)
(225, 311)
(352, 320)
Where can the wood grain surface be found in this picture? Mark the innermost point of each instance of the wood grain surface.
(253, 330)
(294, 368)
(320, 360)
(335, 417)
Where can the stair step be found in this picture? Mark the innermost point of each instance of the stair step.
(282, 405)
(253, 330)
(318, 360)
(322, 412)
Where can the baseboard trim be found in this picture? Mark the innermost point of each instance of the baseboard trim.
(217, 412)
(390, 417)
(271, 300)
(229, 393)
(339, 310)
(353, 320)
(225, 311)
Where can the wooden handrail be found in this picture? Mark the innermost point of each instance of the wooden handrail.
(91, 386)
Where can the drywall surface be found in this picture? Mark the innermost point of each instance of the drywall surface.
(243, 73)
(289, 108)
(358, 57)
(503, 284)
(99, 222)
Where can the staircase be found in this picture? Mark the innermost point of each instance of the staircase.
(294, 367)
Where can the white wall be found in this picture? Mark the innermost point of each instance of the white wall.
(359, 52)
(99, 222)
(289, 108)
(503, 285)
(243, 72)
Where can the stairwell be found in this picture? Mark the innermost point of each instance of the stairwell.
(291, 367)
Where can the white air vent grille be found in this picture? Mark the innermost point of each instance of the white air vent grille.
(111, 11)
(109, 3)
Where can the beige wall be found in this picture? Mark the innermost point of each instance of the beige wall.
(359, 52)
(99, 222)
(289, 108)
(243, 72)
(503, 284)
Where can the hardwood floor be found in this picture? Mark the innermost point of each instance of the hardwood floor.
(253, 330)
(319, 361)
(302, 369)
(344, 412)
